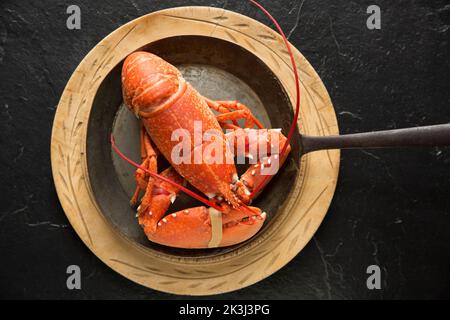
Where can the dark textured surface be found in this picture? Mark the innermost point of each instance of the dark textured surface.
(391, 208)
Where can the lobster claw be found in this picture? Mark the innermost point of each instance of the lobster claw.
(202, 227)
(241, 225)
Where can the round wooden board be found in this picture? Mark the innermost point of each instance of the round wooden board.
(303, 212)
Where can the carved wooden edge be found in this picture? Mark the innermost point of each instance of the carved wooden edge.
(290, 231)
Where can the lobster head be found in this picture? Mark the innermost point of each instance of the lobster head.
(148, 82)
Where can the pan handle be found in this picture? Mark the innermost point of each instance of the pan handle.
(437, 135)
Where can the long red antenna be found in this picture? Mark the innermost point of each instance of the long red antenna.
(157, 176)
(297, 87)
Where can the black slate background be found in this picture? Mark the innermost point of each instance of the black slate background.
(391, 207)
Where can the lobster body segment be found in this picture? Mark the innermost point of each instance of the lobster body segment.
(190, 113)
(173, 112)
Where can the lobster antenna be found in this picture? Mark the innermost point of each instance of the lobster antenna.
(157, 176)
(297, 88)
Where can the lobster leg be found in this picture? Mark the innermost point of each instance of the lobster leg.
(139, 176)
(149, 162)
(260, 145)
(240, 111)
(264, 147)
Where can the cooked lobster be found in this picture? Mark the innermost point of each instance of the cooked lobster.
(155, 91)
